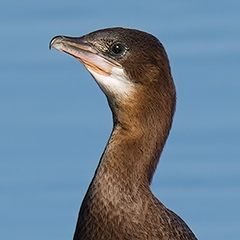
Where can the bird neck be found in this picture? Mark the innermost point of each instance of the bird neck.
(136, 143)
(125, 170)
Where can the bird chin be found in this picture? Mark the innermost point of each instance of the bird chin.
(95, 63)
(110, 78)
(115, 84)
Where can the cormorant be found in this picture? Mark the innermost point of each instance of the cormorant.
(132, 69)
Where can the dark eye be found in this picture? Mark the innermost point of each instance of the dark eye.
(117, 49)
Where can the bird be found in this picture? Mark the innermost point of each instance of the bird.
(132, 69)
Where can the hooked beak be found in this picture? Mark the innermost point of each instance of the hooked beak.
(85, 53)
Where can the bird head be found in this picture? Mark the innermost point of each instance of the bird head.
(130, 66)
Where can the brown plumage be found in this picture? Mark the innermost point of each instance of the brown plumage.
(132, 69)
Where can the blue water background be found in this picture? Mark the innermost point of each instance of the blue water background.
(55, 122)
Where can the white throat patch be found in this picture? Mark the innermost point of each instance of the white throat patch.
(116, 83)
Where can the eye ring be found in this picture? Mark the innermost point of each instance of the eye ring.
(117, 49)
